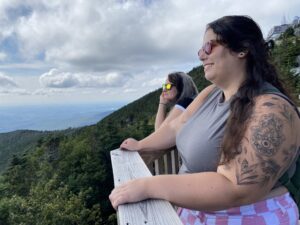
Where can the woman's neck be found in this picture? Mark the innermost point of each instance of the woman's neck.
(230, 91)
(230, 88)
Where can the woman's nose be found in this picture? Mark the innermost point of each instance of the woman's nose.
(201, 54)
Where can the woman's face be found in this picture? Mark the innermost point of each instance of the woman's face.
(218, 61)
(170, 95)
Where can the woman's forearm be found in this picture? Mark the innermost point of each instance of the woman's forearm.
(203, 191)
(160, 115)
(161, 139)
(206, 191)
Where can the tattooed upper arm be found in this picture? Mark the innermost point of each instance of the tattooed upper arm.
(269, 145)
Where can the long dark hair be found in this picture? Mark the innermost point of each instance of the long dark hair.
(186, 88)
(242, 34)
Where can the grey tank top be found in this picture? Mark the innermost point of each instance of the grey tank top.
(199, 140)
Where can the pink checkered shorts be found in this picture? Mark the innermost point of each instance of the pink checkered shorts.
(280, 210)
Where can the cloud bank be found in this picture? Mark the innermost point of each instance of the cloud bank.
(7, 82)
(57, 79)
(110, 44)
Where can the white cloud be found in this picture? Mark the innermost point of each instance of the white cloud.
(24, 66)
(131, 90)
(89, 36)
(51, 91)
(6, 81)
(156, 82)
(90, 33)
(8, 86)
(14, 91)
(104, 44)
(108, 35)
(57, 79)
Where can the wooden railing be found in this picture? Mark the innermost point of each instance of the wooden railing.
(162, 162)
(128, 165)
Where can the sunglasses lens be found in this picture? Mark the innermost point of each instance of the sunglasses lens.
(207, 48)
(167, 87)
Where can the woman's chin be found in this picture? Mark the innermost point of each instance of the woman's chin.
(208, 76)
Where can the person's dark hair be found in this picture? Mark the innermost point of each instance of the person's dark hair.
(242, 34)
(185, 85)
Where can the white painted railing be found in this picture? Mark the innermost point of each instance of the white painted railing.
(128, 165)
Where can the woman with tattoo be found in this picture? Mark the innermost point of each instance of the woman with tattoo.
(235, 146)
(178, 92)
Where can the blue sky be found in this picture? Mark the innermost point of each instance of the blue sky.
(63, 51)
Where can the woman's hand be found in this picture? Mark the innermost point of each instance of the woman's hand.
(130, 144)
(162, 98)
(131, 191)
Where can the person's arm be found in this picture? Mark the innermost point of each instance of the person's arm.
(161, 111)
(160, 115)
(164, 137)
(173, 114)
(270, 143)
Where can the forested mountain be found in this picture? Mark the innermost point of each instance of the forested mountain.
(16, 142)
(21, 141)
(65, 177)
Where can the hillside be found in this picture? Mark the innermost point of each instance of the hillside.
(21, 141)
(17, 142)
(65, 177)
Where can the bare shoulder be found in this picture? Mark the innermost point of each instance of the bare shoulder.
(271, 105)
(270, 143)
(198, 101)
(272, 101)
(206, 91)
(269, 146)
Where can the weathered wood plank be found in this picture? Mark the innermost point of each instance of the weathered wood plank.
(128, 165)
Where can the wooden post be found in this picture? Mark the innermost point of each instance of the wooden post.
(128, 165)
(168, 163)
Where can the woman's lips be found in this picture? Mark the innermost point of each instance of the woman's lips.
(207, 66)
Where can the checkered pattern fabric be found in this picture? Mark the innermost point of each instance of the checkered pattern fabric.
(280, 210)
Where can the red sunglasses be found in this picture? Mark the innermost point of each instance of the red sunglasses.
(208, 47)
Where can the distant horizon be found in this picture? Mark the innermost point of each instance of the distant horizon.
(50, 117)
(28, 104)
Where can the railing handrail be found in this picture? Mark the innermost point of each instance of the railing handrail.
(128, 165)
